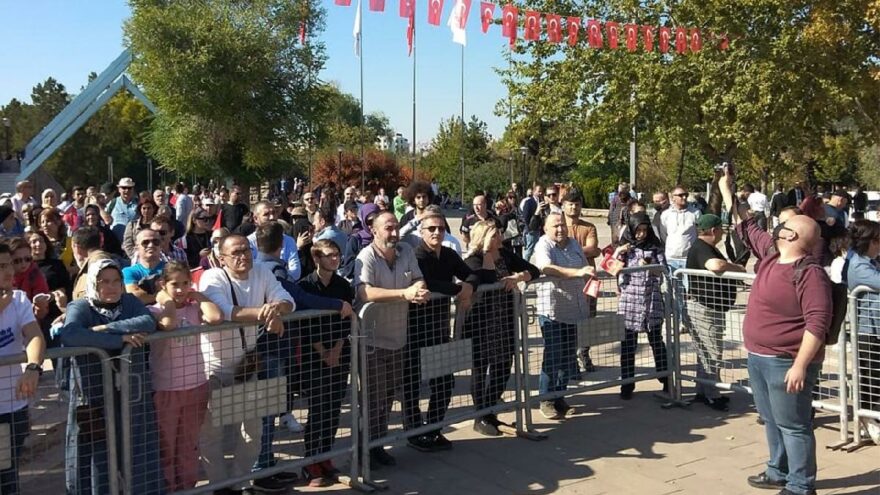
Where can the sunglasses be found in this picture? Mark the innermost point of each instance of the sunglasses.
(435, 228)
(151, 242)
(681, 195)
(24, 259)
(552, 195)
(126, 188)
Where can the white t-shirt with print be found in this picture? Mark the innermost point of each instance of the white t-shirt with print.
(18, 314)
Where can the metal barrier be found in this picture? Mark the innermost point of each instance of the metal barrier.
(78, 422)
(712, 353)
(187, 398)
(464, 356)
(629, 304)
(865, 352)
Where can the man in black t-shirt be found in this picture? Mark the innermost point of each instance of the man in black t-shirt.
(233, 213)
(709, 300)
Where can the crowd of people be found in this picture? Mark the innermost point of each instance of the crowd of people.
(104, 269)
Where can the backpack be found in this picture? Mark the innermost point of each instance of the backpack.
(839, 297)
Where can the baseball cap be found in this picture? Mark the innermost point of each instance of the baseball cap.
(708, 221)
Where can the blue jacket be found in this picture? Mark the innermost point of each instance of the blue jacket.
(864, 271)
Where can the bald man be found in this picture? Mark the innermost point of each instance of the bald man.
(788, 314)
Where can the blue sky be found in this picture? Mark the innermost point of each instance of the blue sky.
(67, 39)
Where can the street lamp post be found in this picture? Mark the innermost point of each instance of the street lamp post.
(7, 124)
(339, 165)
(525, 172)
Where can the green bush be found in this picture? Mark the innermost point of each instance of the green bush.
(595, 191)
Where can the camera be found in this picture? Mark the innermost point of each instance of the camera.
(721, 166)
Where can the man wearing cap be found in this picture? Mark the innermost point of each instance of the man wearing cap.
(709, 300)
(123, 208)
(836, 207)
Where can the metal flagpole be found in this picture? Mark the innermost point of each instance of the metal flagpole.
(414, 92)
(461, 146)
(363, 123)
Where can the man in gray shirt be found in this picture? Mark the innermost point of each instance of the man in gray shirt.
(386, 272)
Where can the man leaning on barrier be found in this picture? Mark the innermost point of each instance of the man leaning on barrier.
(561, 305)
(788, 314)
(439, 265)
(710, 299)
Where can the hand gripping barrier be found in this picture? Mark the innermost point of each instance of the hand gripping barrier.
(712, 353)
(864, 312)
(184, 397)
(64, 439)
(574, 343)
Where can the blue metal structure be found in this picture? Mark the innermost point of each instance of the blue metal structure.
(78, 112)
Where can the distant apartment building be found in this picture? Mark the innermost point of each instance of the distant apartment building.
(398, 144)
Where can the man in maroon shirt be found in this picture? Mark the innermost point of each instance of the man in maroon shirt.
(788, 314)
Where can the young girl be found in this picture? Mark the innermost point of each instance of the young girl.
(179, 379)
(641, 302)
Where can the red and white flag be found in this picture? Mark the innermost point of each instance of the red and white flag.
(410, 32)
(458, 20)
(594, 33)
(613, 32)
(554, 28)
(631, 32)
(648, 38)
(532, 26)
(696, 40)
(302, 33)
(664, 34)
(435, 8)
(487, 15)
(574, 25)
(343, 3)
(406, 8)
(509, 15)
(377, 5)
(681, 41)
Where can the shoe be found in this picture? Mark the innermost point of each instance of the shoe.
(287, 477)
(786, 491)
(548, 410)
(762, 481)
(872, 426)
(562, 407)
(292, 425)
(626, 391)
(485, 427)
(717, 403)
(315, 476)
(330, 470)
(584, 360)
(381, 458)
(422, 443)
(269, 484)
(441, 442)
(760, 421)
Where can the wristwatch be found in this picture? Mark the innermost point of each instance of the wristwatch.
(34, 367)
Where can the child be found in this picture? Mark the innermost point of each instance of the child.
(179, 379)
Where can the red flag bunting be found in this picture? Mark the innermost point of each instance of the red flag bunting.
(664, 35)
(343, 3)
(509, 14)
(574, 25)
(435, 8)
(594, 33)
(696, 40)
(632, 37)
(532, 26)
(487, 15)
(554, 28)
(681, 41)
(611, 29)
(648, 38)
(406, 8)
(410, 31)
(462, 21)
(377, 5)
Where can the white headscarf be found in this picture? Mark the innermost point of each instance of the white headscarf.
(109, 310)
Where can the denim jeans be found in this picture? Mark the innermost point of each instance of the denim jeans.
(272, 368)
(531, 239)
(787, 421)
(679, 303)
(560, 355)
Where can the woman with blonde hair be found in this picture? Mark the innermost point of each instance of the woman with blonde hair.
(491, 322)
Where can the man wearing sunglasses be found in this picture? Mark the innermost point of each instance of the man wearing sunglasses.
(679, 227)
(123, 208)
(140, 278)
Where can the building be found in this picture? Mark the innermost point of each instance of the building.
(398, 144)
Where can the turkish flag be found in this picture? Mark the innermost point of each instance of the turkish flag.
(613, 31)
(664, 39)
(509, 15)
(533, 26)
(410, 31)
(554, 28)
(696, 40)
(377, 5)
(681, 41)
(435, 8)
(343, 3)
(406, 8)
(648, 37)
(487, 15)
(594, 33)
(632, 37)
(574, 25)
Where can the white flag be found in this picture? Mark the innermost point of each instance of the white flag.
(457, 20)
(357, 31)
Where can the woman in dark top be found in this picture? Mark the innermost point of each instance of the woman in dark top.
(491, 322)
(109, 243)
(198, 236)
(53, 269)
(304, 245)
(146, 211)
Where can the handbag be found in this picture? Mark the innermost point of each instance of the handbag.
(250, 363)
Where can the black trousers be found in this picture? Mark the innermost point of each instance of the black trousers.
(325, 390)
(628, 353)
(428, 325)
(489, 376)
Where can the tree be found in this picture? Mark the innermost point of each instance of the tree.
(483, 169)
(232, 83)
(381, 170)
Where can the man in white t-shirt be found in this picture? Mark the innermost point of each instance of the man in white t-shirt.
(259, 299)
(757, 203)
(19, 331)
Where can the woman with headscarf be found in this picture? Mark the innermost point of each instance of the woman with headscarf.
(108, 318)
(146, 211)
(641, 302)
(358, 240)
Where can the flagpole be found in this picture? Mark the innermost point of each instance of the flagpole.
(363, 123)
(461, 146)
(414, 92)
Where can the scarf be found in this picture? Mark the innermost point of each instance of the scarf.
(365, 235)
(111, 311)
(629, 236)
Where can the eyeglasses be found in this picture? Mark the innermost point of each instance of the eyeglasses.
(240, 254)
(23, 259)
(151, 242)
(435, 228)
(126, 188)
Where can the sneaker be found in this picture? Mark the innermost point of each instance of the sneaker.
(269, 484)
(314, 475)
(380, 457)
(786, 491)
(485, 427)
(562, 407)
(719, 403)
(872, 426)
(548, 410)
(330, 470)
(441, 442)
(422, 443)
(584, 360)
(292, 425)
(760, 421)
(287, 477)
(626, 391)
(762, 481)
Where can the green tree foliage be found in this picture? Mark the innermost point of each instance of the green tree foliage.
(233, 84)
(483, 169)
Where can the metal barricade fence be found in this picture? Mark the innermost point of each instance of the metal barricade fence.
(447, 363)
(565, 353)
(227, 405)
(864, 311)
(62, 440)
(712, 353)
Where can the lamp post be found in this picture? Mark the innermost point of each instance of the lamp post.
(525, 174)
(339, 165)
(7, 124)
